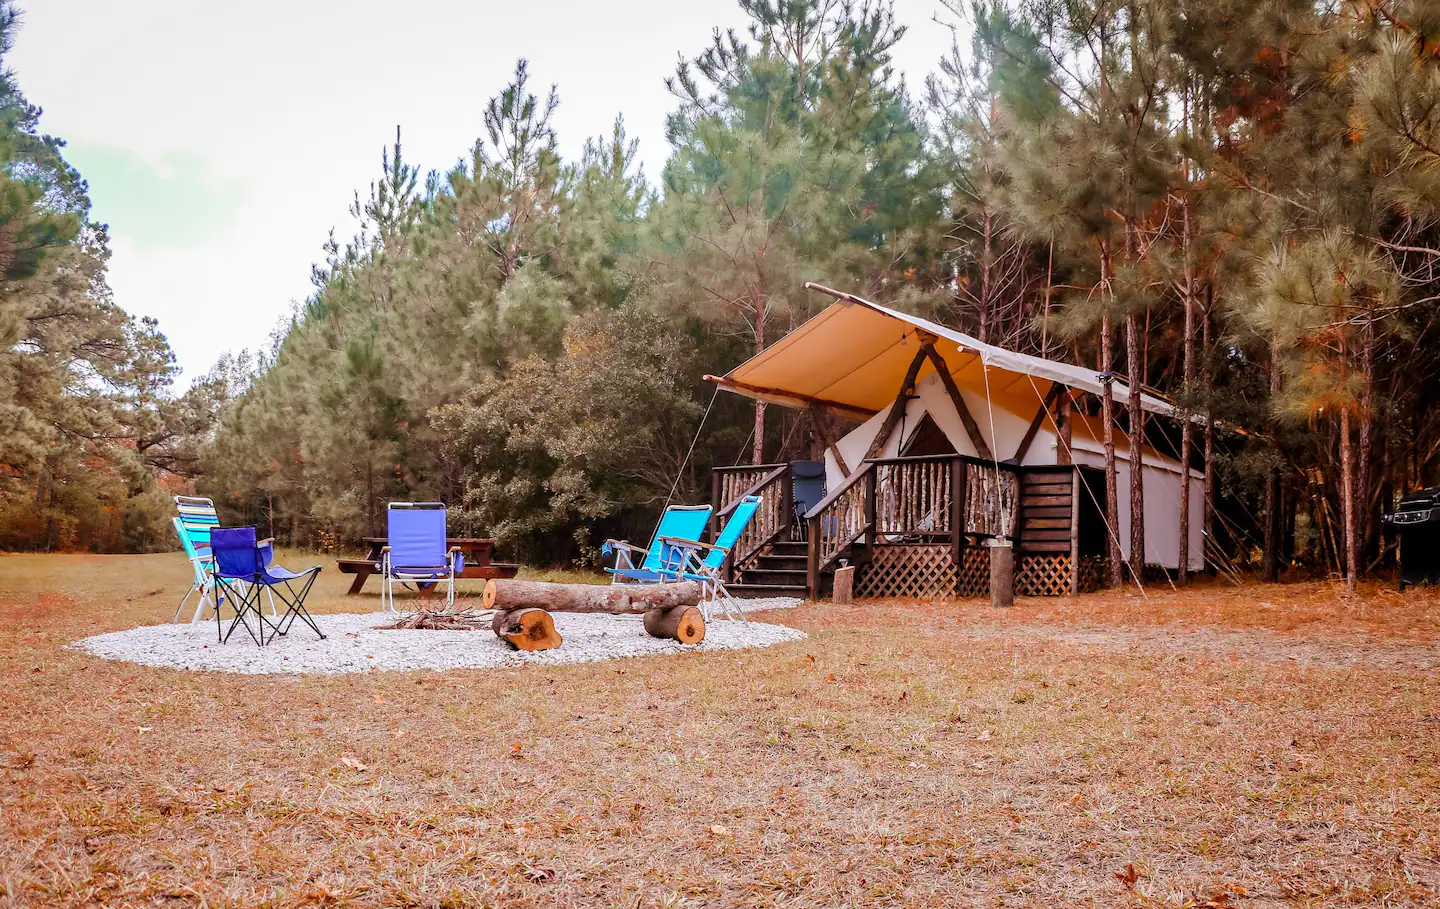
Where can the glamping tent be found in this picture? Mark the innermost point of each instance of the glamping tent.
(958, 440)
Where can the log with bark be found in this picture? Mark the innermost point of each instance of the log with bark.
(681, 623)
(527, 629)
(508, 594)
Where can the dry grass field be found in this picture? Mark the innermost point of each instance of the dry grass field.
(1221, 747)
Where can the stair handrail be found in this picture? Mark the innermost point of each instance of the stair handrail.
(779, 471)
(817, 558)
(768, 524)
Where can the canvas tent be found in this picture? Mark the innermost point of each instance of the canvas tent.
(851, 359)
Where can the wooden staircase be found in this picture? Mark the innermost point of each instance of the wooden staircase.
(779, 572)
(1047, 503)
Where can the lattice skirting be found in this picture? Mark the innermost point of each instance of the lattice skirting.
(908, 570)
(926, 570)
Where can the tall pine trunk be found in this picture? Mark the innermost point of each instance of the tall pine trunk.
(1107, 417)
(759, 449)
(1347, 483)
(1270, 558)
(1187, 428)
(1208, 514)
(1136, 368)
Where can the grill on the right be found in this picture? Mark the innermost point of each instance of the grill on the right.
(1417, 525)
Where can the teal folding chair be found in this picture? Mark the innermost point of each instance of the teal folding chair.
(705, 562)
(680, 522)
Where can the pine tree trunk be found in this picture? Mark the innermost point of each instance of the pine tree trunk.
(1208, 513)
(1112, 485)
(1347, 501)
(1187, 429)
(1270, 558)
(1366, 528)
(1136, 367)
(759, 448)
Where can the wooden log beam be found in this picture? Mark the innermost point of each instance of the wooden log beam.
(682, 623)
(821, 421)
(897, 410)
(792, 398)
(1034, 428)
(526, 629)
(972, 429)
(506, 594)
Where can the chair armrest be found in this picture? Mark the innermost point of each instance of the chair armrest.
(268, 541)
(679, 543)
(621, 544)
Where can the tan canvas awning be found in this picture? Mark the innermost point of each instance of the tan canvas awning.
(852, 358)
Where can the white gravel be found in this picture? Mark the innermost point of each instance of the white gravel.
(353, 643)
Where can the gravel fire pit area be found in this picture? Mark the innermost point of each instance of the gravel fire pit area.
(354, 643)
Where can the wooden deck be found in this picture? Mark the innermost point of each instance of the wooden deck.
(918, 526)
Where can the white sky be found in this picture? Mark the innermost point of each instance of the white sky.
(222, 142)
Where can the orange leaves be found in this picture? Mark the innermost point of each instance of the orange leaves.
(1128, 876)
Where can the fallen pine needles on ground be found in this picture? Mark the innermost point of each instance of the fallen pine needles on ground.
(1266, 746)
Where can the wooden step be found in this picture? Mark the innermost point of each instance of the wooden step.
(790, 548)
(774, 577)
(780, 562)
(755, 591)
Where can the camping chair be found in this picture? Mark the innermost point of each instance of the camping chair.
(807, 489)
(416, 551)
(680, 522)
(240, 571)
(707, 569)
(196, 519)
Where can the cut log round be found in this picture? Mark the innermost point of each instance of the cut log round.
(527, 629)
(507, 594)
(682, 623)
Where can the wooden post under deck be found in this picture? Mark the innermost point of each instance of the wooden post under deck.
(958, 476)
(1074, 531)
(812, 559)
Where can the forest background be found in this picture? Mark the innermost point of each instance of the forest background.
(1232, 201)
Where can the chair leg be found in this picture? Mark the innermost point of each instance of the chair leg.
(295, 607)
(244, 603)
(181, 607)
(206, 596)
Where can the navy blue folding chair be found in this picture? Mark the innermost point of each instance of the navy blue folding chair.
(242, 570)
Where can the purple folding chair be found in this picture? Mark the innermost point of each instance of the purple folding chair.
(417, 551)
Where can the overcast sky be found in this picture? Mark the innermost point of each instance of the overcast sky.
(223, 141)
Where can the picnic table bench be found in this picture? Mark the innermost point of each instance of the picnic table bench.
(477, 552)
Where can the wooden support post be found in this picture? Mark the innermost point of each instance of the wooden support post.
(844, 593)
(958, 474)
(812, 559)
(715, 505)
(972, 429)
(1034, 428)
(1064, 430)
(1074, 530)
(1002, 573)
(897, 410)
(821, 422)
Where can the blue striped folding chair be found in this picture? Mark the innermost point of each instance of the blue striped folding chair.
(196, 518)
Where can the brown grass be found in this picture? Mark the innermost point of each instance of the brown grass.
(906, 755)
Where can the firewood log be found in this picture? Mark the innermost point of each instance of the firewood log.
(507, 594)
(680, 623)
(527, 629)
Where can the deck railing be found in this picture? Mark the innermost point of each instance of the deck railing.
(772, 483)
(843, 518)
(950, 498)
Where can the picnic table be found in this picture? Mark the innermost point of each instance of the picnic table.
(477, 552)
